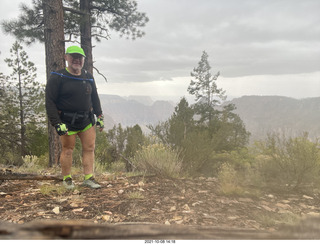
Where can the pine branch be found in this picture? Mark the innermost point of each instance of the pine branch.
(105, 78)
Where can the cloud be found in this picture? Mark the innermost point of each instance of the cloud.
(242, 38)
(291, 85)
(264, 41)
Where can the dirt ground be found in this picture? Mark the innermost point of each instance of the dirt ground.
(152, 200)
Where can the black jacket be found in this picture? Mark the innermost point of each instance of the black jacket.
(69, 93)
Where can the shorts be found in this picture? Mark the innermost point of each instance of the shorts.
(78, 131)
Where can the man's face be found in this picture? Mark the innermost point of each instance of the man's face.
(75, 61)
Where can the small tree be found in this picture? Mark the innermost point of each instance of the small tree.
(24, 98)
(204, 87)
(180, 123)
(135, 140)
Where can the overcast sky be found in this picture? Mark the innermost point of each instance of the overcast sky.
(260, 48)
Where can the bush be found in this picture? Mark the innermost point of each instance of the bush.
(230, 180)
(158, 159)
(289, 163)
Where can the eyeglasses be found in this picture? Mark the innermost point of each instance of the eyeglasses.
(76, 56)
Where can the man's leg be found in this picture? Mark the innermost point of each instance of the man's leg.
(68, 144)
(88, 139)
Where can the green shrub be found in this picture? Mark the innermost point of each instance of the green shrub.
(289, 163)
(158, 159)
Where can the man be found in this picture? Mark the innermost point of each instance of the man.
(72, 103)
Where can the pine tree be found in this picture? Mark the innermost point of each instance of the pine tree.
(24, 97)
(204, 87)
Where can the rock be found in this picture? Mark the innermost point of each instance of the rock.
(233, 217)
(173, 208)
(196, 203)
(74, 205)
(77, 210)
(307, 197)
(267, 208)
(285, 201)
(107, 218)
(186, 207)
(56, 210)
(179, 222)
(283, 206)
(241, 199)
(121, 192)
(313, 214)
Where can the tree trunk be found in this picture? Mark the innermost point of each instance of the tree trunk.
(85, 32)
(21, 113)
(54, 45)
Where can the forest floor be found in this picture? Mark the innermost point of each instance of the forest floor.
(154, 200)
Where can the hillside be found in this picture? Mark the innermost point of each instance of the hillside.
(261, 114)
(134, 110)
(268, 114)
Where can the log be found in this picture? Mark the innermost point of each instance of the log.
(78, 230)
(16, 176)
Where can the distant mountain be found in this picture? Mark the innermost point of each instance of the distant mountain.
(268, 114)
(134, 110)
(261, 114)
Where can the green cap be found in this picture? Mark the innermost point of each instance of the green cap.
(75, 49)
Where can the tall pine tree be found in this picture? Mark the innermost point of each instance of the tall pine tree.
(23, 98)
(203, 86)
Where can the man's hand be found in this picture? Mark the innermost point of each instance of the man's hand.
(61, 129)
(100, 122)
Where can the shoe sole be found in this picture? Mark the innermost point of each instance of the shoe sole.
(84, 185)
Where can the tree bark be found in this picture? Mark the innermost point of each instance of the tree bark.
(54, 50)
(85, 32)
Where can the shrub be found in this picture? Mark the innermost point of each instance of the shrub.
(289, 163)
(230, 180)
(158, 159)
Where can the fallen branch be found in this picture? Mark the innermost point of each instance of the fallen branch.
(16, 176)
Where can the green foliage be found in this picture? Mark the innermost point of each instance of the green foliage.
(101, 151)
(120, 16)
(37, 139)
(21, 106)
(29, 25)
(203, 129)
(203, 85)
(33, 164)
(230, 181)
(196, 151)
(124, 143)
(289, 163)
(158, 159)
(199, 141)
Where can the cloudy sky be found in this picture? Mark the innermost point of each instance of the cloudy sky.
(260, 48)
